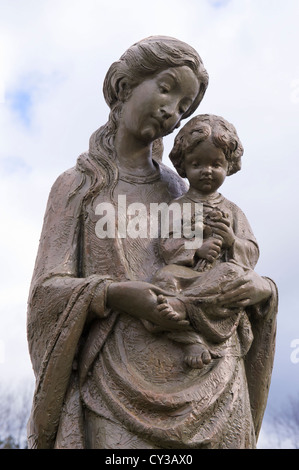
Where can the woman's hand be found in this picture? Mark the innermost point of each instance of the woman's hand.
(140, 299)
(248, 290)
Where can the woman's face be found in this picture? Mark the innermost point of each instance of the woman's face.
(156, 106)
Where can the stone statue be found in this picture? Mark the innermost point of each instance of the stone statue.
(138, 341)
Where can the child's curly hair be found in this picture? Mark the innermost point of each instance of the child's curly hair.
(198, 129)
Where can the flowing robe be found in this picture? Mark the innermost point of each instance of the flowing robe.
(112, 367)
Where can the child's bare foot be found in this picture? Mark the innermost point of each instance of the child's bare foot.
(172, 309)
(197, 356)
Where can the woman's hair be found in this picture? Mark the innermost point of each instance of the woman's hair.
(144, 59)
(200, 128)
(149, 57)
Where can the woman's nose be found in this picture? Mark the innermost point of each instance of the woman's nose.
(169, 110)
(166, 112)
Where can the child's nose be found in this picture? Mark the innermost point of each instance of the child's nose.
(207, 170)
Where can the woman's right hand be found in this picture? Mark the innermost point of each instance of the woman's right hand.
(251, 289)
(139, 299)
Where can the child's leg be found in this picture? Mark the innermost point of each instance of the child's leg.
(171, 308)
(196, 355)
(196, 352)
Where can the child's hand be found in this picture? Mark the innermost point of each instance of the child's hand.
(224, 230)
(210, 249)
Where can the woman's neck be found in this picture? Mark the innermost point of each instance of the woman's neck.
(134, 156)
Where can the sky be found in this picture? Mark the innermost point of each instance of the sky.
(54, 55)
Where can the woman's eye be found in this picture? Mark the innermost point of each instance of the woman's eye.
(184, 106)
(164, 89)
(183, 109)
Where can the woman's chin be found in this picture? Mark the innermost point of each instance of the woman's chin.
(149, 134)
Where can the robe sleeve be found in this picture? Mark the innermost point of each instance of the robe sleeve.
(58, 306)
(245, 250)
(260, 357)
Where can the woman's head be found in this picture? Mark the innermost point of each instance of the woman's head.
(141, 61)
(200, 128)
(148, 57)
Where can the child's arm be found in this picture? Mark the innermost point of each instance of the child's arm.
(224, 229)
(174, 251)
(238, 239)
(209, 249)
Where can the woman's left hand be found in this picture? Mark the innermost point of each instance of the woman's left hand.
(248, 290)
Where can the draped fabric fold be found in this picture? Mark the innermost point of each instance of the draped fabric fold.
(71, 347)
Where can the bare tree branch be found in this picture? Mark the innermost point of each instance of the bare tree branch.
(285, 422)
(15, 404)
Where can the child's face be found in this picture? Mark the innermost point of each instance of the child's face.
(206, 167)
(156, 106)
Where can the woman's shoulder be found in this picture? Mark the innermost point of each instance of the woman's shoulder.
(176, 183)
(66, 181)
(71, 181)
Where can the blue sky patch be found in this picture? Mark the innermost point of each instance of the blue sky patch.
(11, 165)
(219, 3)
(20, 102)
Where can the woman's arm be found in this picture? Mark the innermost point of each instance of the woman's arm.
(139, 299)
(249, 290)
